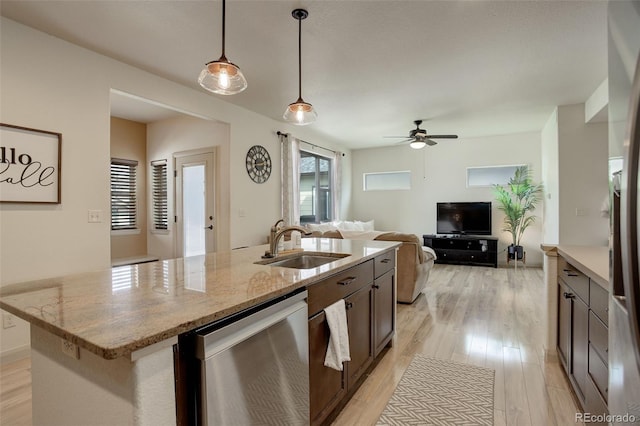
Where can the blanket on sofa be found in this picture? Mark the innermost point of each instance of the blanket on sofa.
(380, 236)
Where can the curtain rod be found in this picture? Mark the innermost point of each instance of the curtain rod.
(279, 133)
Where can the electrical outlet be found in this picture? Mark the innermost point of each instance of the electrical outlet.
(8, 321)
(94, 216)
(70, 349)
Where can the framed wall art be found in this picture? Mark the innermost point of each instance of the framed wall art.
(30, 165)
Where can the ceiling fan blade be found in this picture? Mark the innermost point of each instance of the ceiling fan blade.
(405, 141)
(395, 136)
(442, 136)
(430, 142)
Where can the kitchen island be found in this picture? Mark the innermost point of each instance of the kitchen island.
(103, 342)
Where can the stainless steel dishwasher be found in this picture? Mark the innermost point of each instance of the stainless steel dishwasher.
(254, 366)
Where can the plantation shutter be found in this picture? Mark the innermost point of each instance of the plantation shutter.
(159, 188)
(123, 194)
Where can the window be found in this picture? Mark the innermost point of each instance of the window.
(123, 194)
(315, 188)
(490, 175)
(384, 181)
(159, 196)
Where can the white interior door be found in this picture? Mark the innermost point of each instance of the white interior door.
(195, 195)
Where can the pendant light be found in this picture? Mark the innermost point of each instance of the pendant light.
(300, 112)
(221, 76)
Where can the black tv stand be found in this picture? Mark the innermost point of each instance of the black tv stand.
(464, 249)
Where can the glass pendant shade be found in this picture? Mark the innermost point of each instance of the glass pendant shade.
(417, 144)
(300, 113)
(222, 77)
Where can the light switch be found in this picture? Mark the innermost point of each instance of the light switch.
(95, 216)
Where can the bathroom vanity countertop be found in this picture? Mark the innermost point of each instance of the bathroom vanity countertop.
(117, 311)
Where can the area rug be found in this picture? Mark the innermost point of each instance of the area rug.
(438, 392)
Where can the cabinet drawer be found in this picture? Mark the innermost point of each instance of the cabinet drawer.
(599, 337)
(575, 279)
(339, 286)
(598, 372)
(594, 404)
(384, 263)
(599, 301)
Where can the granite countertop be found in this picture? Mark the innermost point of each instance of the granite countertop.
(115, 312)
(592, 261)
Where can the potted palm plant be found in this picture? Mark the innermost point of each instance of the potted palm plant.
(518, 199)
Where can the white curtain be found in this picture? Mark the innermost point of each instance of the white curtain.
(290, 150)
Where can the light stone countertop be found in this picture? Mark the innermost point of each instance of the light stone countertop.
(115, 312)
(592, 261)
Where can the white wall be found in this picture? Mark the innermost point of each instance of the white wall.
(165, 138)
(551, 216)
(70, 95)
(439, 174)
(583, 178)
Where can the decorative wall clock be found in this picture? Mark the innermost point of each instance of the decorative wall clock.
(258, 164)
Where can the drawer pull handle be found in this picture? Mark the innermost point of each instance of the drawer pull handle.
(347, 281)
(349, 305)
(376, 286)
(569, 273)
(385, 261)
(568, 295)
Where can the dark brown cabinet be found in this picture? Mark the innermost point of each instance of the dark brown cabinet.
(328, 386)
(564, 322)
(384, 305)
(573, 317)
(359, 315)
(583, 336)
(370, 307)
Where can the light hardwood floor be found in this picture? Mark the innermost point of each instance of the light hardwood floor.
(483, 316)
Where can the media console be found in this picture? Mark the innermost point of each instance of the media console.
(464, 250)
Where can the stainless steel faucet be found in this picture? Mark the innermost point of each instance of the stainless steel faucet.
(275, 234)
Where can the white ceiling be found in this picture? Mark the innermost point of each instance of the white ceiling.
(370, 67)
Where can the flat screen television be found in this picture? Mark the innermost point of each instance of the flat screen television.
(464, 218)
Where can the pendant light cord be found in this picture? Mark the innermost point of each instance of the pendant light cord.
(299, 58)
(223, 26)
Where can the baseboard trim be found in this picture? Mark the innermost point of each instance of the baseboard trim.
(551, 355)
(15, 354)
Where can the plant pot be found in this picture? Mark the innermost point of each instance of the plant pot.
(515, 252)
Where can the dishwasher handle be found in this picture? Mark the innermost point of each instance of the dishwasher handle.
(207, 345)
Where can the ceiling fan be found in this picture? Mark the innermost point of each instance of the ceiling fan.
(418, 137)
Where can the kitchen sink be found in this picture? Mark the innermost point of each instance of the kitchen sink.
(305, 260)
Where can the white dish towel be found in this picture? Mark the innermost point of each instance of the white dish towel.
(338, 349)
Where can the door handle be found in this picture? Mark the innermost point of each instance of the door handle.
(568, 295)
(349, 305)
(208, 227)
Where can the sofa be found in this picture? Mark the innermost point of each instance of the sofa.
(414, 262)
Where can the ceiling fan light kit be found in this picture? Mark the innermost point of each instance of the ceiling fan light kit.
(417, 144)
(221, 76)
(300, 112)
